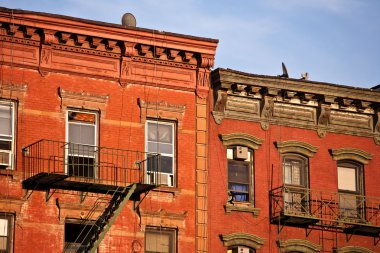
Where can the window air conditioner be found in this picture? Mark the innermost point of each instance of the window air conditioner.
(240, 153)
(160, 179)
(5, 158)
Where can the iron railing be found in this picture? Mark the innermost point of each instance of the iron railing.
(329, 208)
(92, 164)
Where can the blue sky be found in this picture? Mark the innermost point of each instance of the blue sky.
(336, 41)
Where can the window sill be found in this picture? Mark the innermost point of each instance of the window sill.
(167, 189)
(242, 207)
(14, 174)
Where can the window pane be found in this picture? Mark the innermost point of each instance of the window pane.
(238, 172)
(3, 227)
(160, 132)
(82, 134)
(167, 164)
(295, 171)
(5, 120)
(159, 241)
(155, 147)
(347, 179)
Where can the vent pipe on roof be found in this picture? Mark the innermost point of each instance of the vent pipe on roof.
(128, 20)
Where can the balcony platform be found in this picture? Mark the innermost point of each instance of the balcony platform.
(363, 229)
(294, 220)
(46, 181)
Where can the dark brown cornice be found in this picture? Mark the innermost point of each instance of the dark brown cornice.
(271, 100)
(228, 77)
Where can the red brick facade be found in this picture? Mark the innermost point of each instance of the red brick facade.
(126, 75)
(242, 116)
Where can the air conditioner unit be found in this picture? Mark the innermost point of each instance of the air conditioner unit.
(160, 178)
(5, 158)
(240, 153)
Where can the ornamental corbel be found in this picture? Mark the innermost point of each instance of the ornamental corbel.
(206, 61)
(376, 123)
(175, 55)
(323, 114)
(220, 98)
(49, 37)
(161, 53)
(266, 112)
(128, 48)
(30, 32)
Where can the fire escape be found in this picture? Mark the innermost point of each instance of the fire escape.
(114, 174)
(319, 209)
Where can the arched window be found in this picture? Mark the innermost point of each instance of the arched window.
(240, 173)
(351, 189)
(240, 249)
(296, 183)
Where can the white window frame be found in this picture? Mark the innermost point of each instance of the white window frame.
(172, 233)
(171, 177)
(10, 218)
(80, 123)
(12, 105)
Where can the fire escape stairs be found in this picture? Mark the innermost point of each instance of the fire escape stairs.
(98, 230)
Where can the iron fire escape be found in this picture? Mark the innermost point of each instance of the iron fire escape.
(116, 174)
(320, 209)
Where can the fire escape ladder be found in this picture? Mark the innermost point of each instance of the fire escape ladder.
(102, 225)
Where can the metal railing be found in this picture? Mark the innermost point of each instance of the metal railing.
(329, 208)
(88, 163)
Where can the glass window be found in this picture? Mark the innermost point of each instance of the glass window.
(350, 187)
(240, 174)
(6, 232)
(295, 178)
(160, 140)
(82, 138)
(7, 134)
(160, 240)
(295, 170)
(75, 233)
(240, 249)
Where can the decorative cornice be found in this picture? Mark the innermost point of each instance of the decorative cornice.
(241, 139)
(353, 249)
(321, 107)
(299, 147)
(242, 208)
(298, 245)
(242, 239)
(351, 154)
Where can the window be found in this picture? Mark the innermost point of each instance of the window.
(240, 249)
(75, 232)
(240, 173)
(160, 240)
(295, 173)
(160, 140)
(6, 232)
(350, 187)
(82, 138)
(7, 134)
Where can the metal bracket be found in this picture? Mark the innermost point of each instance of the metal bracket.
(141, 200)
(27, 194)
(348, 237)
(48, 195)
(308, 231)
(82, 196)
(376, 240)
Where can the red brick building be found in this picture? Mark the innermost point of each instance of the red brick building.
(93, 115)
(294, 165)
